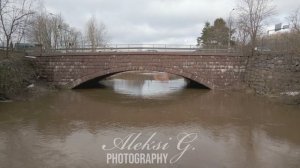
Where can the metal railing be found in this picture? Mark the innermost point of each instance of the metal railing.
(126, 48)
(143, 48)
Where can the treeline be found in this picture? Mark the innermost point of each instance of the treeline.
(21, 21)
(52, 32)
(245, 28)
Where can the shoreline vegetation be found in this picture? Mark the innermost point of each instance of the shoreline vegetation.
(19, 79)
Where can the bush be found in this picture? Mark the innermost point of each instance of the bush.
(287, 42)
(15, 75)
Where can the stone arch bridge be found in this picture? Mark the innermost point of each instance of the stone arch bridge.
(213, 70)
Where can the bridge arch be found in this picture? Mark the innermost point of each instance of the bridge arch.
(178, 71)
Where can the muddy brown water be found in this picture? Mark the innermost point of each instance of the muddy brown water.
(77, 128)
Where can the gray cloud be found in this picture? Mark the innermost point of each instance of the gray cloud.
(151, 21)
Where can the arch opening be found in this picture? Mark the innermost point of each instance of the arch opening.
(96, 81)
(195, 85)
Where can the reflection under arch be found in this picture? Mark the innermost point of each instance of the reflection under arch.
(91, 80)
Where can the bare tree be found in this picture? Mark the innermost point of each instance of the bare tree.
(252, 15)
(56, 21)
(52, 32)
(294, 20)
(293, 37)
(40, 30)
(69, 36)
(95, 33)
(241, 34)
(13, 16)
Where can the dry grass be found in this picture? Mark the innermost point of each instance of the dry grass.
(288, 42)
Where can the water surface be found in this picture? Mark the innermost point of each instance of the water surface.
(69, 128)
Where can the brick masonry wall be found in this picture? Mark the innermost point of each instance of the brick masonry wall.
(274, 74)
(216, 71)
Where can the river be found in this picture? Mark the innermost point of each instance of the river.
(148, 115)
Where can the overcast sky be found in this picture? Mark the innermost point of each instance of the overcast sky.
(153, 21)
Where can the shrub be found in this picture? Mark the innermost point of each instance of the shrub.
(15, 75)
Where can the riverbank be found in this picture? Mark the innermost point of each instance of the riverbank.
(33, 91)
(275, 75)
(19, 79)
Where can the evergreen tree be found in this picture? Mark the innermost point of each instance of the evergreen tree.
(216, 35)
